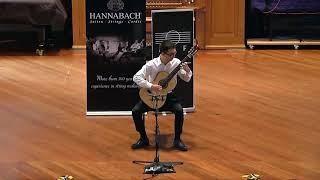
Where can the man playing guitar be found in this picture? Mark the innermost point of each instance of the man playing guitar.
(166, 62)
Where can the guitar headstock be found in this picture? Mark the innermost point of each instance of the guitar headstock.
(193, 50)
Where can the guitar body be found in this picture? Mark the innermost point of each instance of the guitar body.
(149, 97)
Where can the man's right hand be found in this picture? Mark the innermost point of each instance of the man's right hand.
(156, 88)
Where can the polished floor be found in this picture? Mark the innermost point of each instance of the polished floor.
(257, 111)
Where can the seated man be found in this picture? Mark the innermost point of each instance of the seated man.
(144, 78)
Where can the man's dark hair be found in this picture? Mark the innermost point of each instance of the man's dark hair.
(166, 45)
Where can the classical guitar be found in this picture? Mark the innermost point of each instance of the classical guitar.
(156, 100)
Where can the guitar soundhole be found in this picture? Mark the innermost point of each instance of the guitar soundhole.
(163, 83)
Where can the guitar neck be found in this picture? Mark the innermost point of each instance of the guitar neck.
(176, 69)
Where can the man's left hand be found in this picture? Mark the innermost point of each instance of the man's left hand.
(185, 67)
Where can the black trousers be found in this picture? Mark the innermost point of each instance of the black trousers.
(172, 104)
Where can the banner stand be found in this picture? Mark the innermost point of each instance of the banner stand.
(115, 34)
(176, 25)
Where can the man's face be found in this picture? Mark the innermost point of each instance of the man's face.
(169, 55)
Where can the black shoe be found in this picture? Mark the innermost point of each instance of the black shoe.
(178, 144)
(141, 143)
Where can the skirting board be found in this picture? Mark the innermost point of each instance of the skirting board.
(264, 41)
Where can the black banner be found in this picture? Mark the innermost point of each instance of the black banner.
(176, 25)
(115, 32)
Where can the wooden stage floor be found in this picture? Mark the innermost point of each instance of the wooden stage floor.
(256, 112)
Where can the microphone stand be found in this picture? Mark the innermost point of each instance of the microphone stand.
(157, 167)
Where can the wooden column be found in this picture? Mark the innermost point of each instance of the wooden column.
(78, 23)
